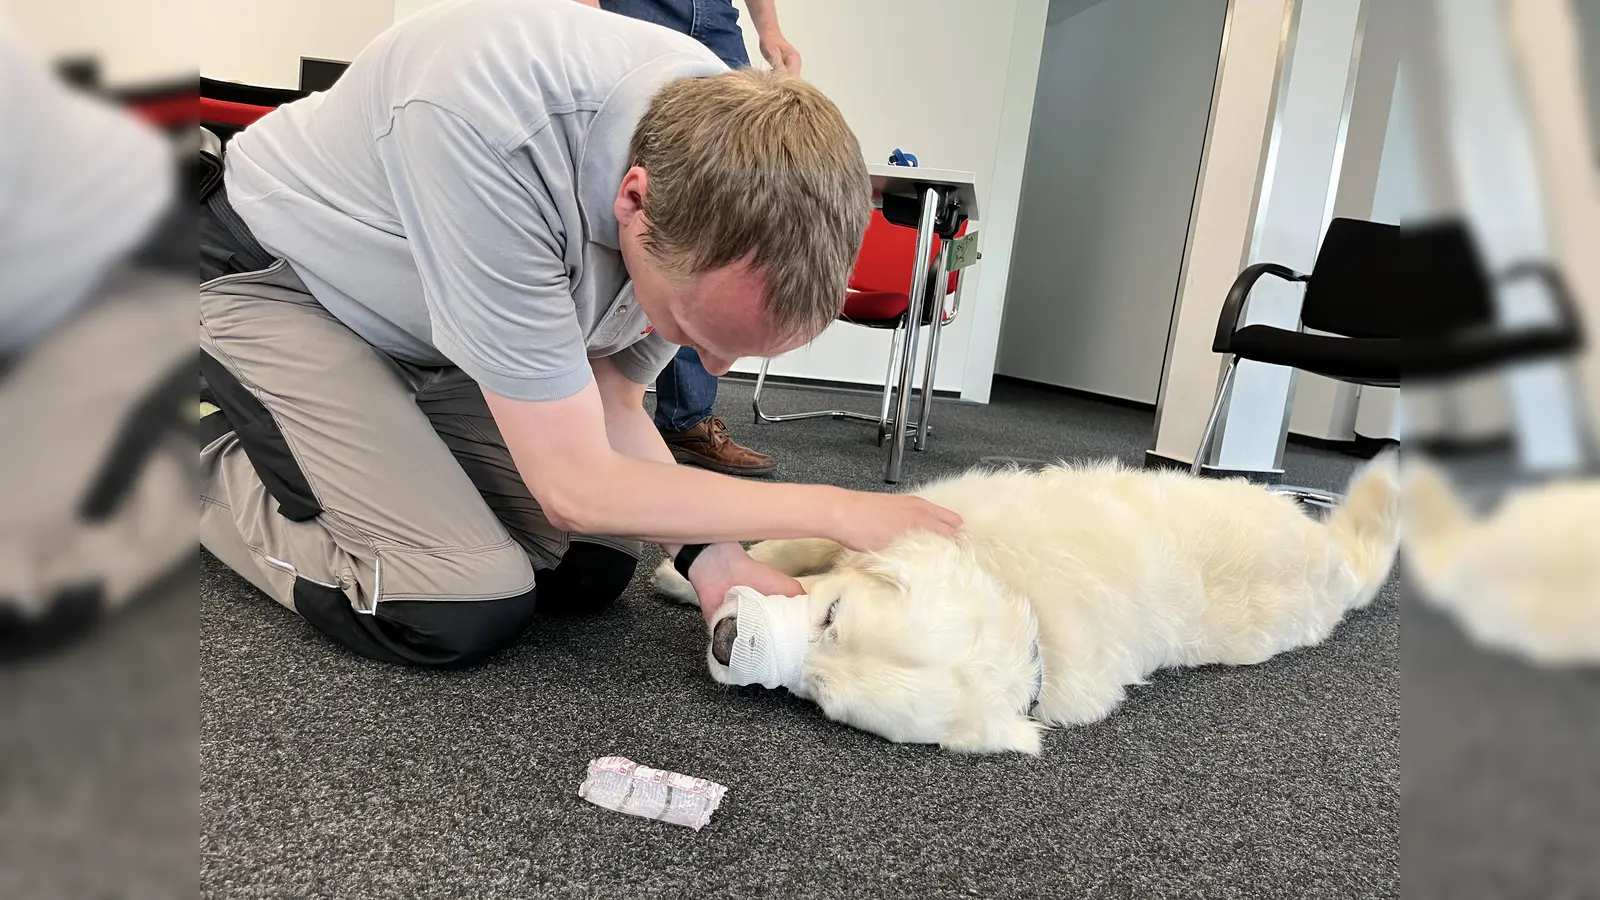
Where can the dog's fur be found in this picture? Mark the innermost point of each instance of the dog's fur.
(1524, 579)
(1115, 572)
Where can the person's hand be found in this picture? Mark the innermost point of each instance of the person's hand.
(780, 54)
(722, 567)
(872, 521)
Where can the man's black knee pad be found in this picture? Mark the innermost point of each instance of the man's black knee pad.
(590, 578)
(433, 633)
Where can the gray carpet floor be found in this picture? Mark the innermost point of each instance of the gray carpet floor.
(326, 775)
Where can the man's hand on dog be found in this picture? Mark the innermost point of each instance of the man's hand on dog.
(868, 522)
(725, 566)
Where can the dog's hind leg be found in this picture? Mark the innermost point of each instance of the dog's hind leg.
(796, 558)
(674, 586)
(1078, 700)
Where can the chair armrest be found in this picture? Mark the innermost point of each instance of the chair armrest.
(1568, 319)
(1233, 306)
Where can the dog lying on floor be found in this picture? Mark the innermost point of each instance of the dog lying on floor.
(1065, 586)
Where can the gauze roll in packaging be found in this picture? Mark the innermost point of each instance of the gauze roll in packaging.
(770, 646)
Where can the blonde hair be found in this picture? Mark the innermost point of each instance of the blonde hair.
(751, 164)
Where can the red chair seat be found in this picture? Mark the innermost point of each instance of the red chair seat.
(880, 285)
(875, 309)
(878, 309)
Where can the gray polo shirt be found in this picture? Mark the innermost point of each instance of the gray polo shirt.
(450, 198)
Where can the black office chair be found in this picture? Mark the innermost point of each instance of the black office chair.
(1417, 306)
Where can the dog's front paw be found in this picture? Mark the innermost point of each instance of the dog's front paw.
(673, 586)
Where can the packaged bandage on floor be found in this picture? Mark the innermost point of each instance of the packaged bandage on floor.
(624, 786)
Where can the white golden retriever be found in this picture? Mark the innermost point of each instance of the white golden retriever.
(1066, 586)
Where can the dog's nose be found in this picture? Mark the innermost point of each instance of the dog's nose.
(722, 638)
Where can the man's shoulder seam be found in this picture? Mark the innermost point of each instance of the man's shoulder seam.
(502, 149)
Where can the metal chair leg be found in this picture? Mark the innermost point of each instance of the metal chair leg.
(888, 385)
(917, 295)
(927, 386)
(755, 399)
(1306, 496)
(936, 328)
(1204, 452)
(763, 416)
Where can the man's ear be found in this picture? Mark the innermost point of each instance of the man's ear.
(993, 731)
(631, 195)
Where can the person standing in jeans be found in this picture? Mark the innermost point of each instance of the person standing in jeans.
(685, 391)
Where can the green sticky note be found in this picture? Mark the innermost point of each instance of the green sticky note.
(963, 252)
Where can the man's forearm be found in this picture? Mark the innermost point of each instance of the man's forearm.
(764, 15)
(577, 456)
(696, 494)
(632, 434)
(672, 505)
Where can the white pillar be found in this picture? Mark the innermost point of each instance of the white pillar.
(1302, 170)
(1498, 179)
(1267, 183)
(1231, 162)
(1548, 49)
(1323, 408)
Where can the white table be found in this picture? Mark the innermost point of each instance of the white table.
(930, 187)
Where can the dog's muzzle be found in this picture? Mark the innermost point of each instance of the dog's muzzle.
(764, 642)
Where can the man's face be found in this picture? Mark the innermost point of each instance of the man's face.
(720, 313)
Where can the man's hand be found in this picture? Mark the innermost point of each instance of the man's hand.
(873, 521)
(779, 53)
(722, 567)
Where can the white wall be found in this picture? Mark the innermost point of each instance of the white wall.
(403, 8)
(1119, 121)
(261, 41)
(950, 81)
(1587, 15)
(146, 42)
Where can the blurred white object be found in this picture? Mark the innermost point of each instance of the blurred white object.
(624, 786)
(770, 649)
(1524, 579)
(82, 183)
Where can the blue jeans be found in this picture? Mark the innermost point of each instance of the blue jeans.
(714, 23)
(685, 391)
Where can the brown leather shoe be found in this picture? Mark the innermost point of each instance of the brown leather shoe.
(708, 446)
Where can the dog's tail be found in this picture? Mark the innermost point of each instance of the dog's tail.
(1437, 525)
(1366, 527)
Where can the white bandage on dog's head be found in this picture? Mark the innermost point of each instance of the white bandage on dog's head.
(770, 646)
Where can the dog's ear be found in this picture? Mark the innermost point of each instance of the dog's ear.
(993, 731)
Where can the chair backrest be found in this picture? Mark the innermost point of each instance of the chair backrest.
(250, 94)
(1354, 289)
(1370, 282)
(227, 107)
(888, 253)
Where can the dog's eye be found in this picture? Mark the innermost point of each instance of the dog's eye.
(827, 618)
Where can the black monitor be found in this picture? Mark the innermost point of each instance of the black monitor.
(320, 74)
